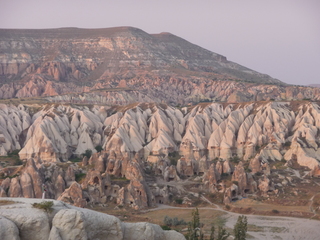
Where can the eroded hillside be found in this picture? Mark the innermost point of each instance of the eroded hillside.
(154, 153)
(125, 65)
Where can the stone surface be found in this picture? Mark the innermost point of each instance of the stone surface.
(8, 230)
(21, 221)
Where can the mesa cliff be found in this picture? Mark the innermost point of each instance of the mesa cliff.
(125, 65)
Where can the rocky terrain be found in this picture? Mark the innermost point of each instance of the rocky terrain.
(121, 119)
(125, 65)
(138, 155)
(22, 219)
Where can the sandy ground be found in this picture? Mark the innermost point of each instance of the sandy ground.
(269, 227)
(279, 227)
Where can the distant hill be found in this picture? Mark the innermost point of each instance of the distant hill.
(161, 67)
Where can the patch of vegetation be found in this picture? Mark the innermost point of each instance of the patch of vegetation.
(287, 144)
(75, 159)
(12, 159)
(87, 153)
(118, 178)
(46, 205)
(234, 159)
(178, 200)
(241, 228)
(6, 202)
(166, 228)
(194, 229)
(275, 211)
(99, 148)
(14, 153)
(257, 148)
(168, 221)
(80, 176)
(174, 157)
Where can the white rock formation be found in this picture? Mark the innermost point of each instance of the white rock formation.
(20, 220)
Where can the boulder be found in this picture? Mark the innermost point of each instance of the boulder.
(8, 230)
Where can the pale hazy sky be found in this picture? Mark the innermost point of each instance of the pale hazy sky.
(277, 37)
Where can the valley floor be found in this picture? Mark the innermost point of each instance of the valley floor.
(259, 227)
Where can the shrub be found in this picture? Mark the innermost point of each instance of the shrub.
(46, 205)
(287, 144)
(234, 159)
(18, 162)
(14, 153)
(99, 148)
(75, 159)
(275, 211)
(87, 153)
(165, 227)
(168, 221)
(235, 182)
(174, 157)
(79, 176)
(178, 200)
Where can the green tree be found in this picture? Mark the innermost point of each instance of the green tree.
(240, 229)
(87, 153)
(222, 233)
(99, 148)
(212, 233)
(194, 229)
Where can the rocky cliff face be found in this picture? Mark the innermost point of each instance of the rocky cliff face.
(125, 65)
(20, 220)
(144, 144)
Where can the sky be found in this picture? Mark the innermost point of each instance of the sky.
(280, 38)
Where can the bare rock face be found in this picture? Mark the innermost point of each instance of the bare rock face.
(15, 188)
(5, 185)
(69, 222)
(211, 178)
(36, 176)
(142, 231)
(265, 186)
(136, 195)
(69, 176)
(230, 194)
(98, 160)
(255, 165)
(240, 176)
(32, 223)
(3, 192)
(14, 121)
(170, 174)
(27, 187)
(98, 187)
(73, 195)
(8, 230)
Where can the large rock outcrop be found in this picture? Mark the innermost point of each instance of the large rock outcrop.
(20, 220)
